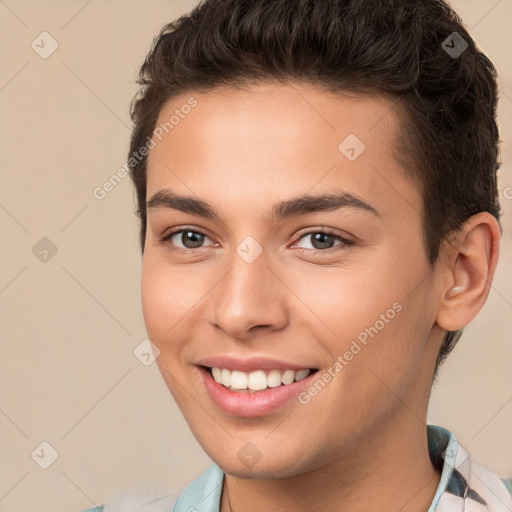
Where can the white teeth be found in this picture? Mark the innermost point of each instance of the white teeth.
(225, 377)
(274, 379)
(217, 374)
(238, 380)
(258, 379)
(288, 377)
(301, 374)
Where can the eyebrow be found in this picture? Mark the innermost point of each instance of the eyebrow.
(301, 205)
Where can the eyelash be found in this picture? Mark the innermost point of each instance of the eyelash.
(326, 231)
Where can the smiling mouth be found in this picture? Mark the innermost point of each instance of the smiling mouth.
(257, 380)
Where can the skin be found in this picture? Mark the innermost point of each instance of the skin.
(242, 150)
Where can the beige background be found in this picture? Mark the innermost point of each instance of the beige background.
(69, 326)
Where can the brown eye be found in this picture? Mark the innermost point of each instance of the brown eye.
(191, 237)
(184, 239)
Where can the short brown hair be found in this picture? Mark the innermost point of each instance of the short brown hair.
(415, 51)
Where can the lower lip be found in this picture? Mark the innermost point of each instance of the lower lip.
(252, 405)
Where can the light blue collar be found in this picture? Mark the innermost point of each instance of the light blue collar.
(204, 493)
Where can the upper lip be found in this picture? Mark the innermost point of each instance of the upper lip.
(250, 364)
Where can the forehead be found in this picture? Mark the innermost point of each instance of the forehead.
(271, 141)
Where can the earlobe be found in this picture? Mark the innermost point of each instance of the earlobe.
(469, 269)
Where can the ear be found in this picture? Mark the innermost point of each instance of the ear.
(469, 266)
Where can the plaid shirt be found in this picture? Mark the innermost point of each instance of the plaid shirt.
(465, 485)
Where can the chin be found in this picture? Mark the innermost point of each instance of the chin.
(262, 466)
(259, 471)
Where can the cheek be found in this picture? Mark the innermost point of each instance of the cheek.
(153, 298)
(347, 301)
(367, 314)
(164, 299)
(387, 351)
(165, 306)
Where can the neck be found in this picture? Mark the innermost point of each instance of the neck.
(391, 471)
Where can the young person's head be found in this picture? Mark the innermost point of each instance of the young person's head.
(247, 105)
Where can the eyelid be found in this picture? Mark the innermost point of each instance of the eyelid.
(325, 230)
(179, 229)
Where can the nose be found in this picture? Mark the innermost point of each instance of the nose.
(250, 298)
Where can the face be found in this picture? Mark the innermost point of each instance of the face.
(268, 273)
